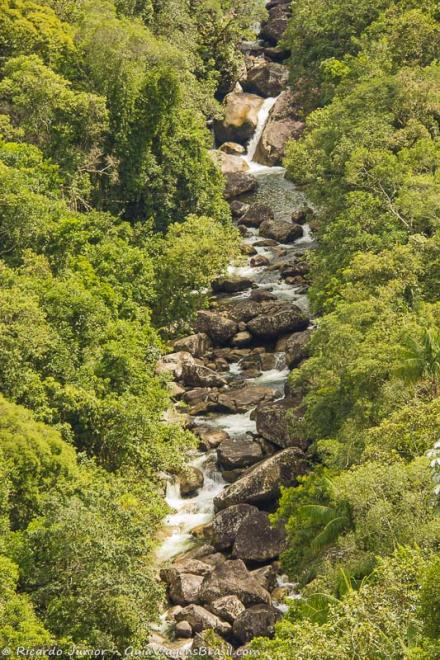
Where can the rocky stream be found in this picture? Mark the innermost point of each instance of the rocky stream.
(220, 554)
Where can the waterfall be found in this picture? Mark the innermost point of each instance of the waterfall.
(263, 116)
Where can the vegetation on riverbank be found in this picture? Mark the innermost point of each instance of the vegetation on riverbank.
(364, 527)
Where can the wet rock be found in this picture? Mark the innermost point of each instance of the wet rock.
(277, 322)
(264, 77)
(268, 361)
(238, 209)
(257, 621)
(191, 481)
(259, 261)
(238, 183)
(297, 266)
(282, 125)
(173, 363)
(226, 524)
(183, 630)
(227, 608)
(256, 214)
(232, 475)
(274, 28)
(248, 250)
(266, 576)
(197, 345)
(242, 399)
(219, 328)
(183, 588)
(303, 215)
(195, 375)
(228, 163)
(198, 552)
(260, 295)
(233, 579)
(261, 484)
(238, 453)
(240, 118)
(276, 53)
(231, 284)
(257, 540)
(243, 338)
(232, 148)
(283, 232)
(209, 438)
(279, 594)
(244, 310)
(201, 619)
(196, 395)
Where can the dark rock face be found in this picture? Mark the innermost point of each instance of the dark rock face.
(285, 319)
(265, 78)
(191, 481)
(226, 524)
(238, 453)
(283, 232)
(183, 588)
(283, 125)
(261, 484)
(231, 284)
(257, 621)
(257, 214)
(273, 424)
(238, 183)
(297, 348)
(257, 540)
(219, 328)
(233, 579)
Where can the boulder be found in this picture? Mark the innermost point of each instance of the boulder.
(256, 621)
(278, 322)
(242, 399)
(196, 375)
(261, 295)
(188, 564)
(209, 645)
(257, 214)
(266, 576)
(262, 483)
(238, 453)
(201, 619)
(248, 250)
(259, 261)
(190, 481)
(229, 163)
(197, 345)
(173, 363)
(297, 348)
(272, 423)
(276, 53)
(219, 328)
(273, 29)
(302, 215)
(244, 310)
(238, 183)
(281, 231)
(243, 338)
(232, 148)
(227, 608)
(226, 523)
(183, 588)
(238, 208)
(283, 124)
(297, 266)
(183, 630)
(209, 438)
(257, 540)
(240, 118)
(264, 77)
(233, 579)
(231, 284)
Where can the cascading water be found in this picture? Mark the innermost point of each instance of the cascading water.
(263, 116)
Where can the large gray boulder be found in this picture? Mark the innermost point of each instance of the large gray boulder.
(225, 525)
(173, 363)
(241, 399)
(197, 345)
(279, 321)
(239, 453)
(273, 29)
(257, 540)
(239, 183)
(231, 284)
(262, 483)
(273, 423)
(264, 77)
(196, 375)
(233, 579)
(190, 481)
(183, 588)
(201, 619)
(219, 328)
(281, 231)
(256, 215)
(227, 608)
(282, 125)
(257, 621)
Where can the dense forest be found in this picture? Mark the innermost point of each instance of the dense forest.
(113, 224)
